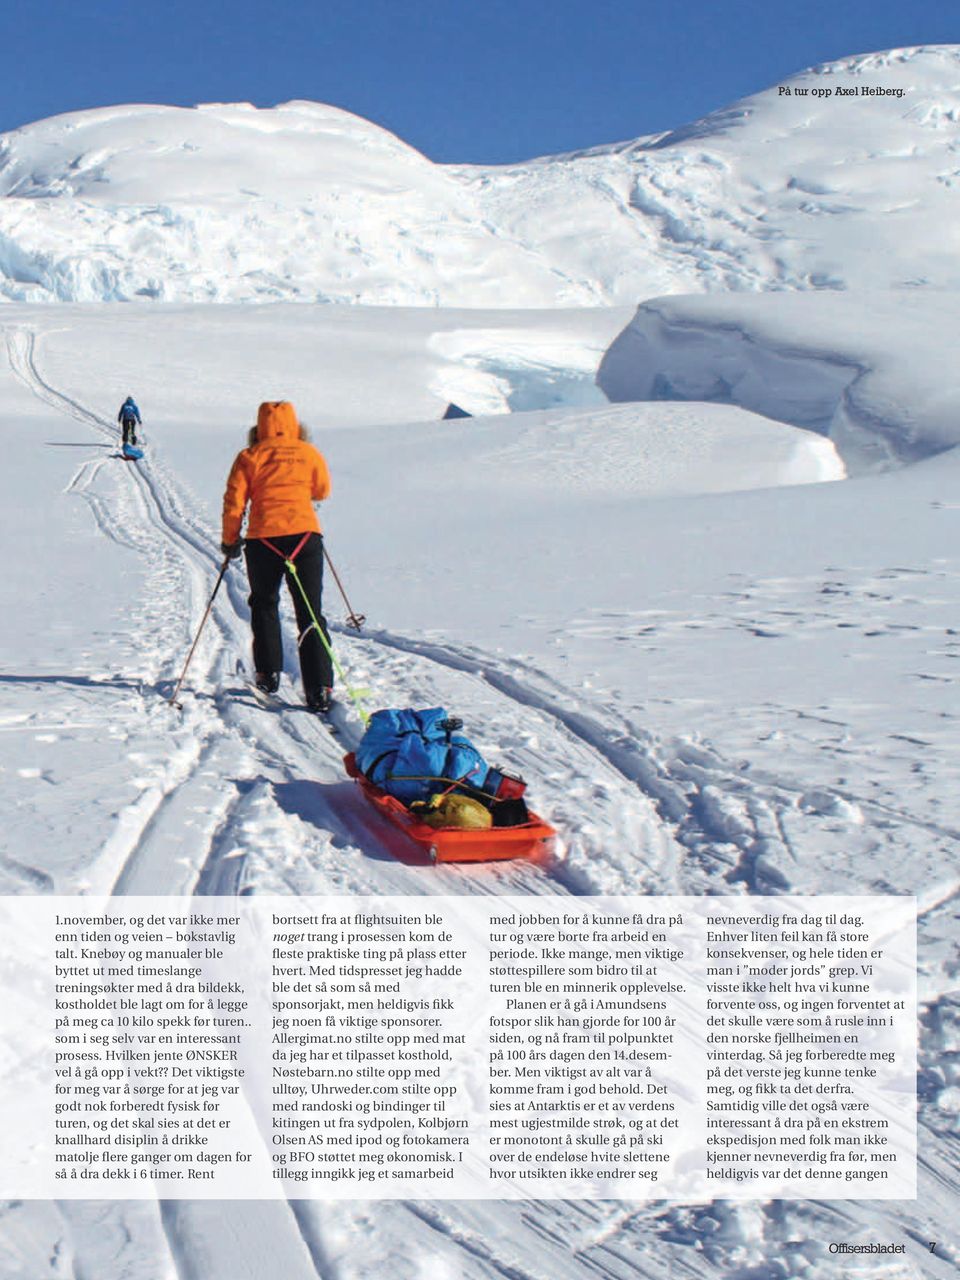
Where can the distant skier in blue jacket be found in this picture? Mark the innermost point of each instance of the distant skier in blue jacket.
(129, 419)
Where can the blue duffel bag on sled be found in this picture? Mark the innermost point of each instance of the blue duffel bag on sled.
(406, 753)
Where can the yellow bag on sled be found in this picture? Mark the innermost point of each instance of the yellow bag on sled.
(455, 811)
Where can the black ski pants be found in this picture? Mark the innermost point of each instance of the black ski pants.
(129, 431)
(266, 571)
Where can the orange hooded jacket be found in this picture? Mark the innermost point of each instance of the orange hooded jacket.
(280, 475)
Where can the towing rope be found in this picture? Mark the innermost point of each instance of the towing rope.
(356, 695)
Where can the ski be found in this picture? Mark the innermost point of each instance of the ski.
(275, 702)
(272, 701)
(332, 718)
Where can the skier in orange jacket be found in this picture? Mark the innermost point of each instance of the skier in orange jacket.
(280, 475)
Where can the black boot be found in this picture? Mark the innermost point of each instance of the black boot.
(319, 700)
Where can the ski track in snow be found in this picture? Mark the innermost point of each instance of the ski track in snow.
(692, 819)
(285, 743)
(263, 795)
(714, 811)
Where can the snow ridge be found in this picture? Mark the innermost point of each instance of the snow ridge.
(860, 369)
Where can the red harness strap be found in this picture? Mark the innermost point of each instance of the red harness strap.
(288, 563)
(296, 551)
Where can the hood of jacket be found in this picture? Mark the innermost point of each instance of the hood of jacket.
(277, 420)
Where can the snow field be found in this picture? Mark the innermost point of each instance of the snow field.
(190, 782)
(576, 614)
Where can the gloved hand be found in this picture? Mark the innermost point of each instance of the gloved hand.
(232, 549)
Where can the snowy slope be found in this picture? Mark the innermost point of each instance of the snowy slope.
(307, 202)
(228, 203)
(708, 691)
(802, 189)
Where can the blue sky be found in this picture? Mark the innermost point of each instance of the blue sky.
(490, 81)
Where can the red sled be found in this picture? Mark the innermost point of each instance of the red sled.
(453, 844)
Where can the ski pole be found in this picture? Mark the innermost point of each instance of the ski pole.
(355, 620)
(196, 639)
